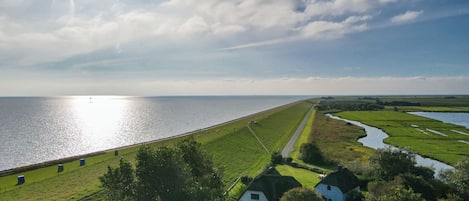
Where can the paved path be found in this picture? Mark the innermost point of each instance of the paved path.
(259, 140)
(290, 145)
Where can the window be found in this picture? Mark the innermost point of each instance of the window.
(328, 187)
(254, 196)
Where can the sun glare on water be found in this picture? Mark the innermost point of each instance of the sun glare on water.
(99, 117)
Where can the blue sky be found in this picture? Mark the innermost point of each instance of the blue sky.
(233, 47)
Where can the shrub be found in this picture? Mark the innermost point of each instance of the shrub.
(276, 158)
(246, 179)
(310, 153)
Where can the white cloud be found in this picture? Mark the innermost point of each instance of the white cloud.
(342, 7)
(406, 17)
(332, 30)
(194, 25)
(83, 26)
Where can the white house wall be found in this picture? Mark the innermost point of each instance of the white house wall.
(335, 194)
(247, 196)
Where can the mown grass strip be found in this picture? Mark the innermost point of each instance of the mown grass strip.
(303, 138)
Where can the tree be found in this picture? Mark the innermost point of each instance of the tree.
(207, 179)
(419, 185)
(161, 175)
(119, 182)
(310, 153)
(300, 194)
(398, 194)
(276, 158)
(184, 172)
(388, 163)
(459, 178)
(246, 179)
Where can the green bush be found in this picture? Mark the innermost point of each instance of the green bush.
(310, 153)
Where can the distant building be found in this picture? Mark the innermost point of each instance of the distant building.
(341, 185)
(269, 186)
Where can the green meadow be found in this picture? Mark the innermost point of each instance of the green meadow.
(232, 146)
(337, 140)
(421, 135)
(305, 177)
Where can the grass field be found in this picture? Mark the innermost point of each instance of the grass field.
(411, 132)
(241, 154)
(231, 145)
(305, 177)
(338, 140)
(303, 138)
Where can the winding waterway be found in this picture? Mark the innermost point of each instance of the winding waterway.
(374, 139)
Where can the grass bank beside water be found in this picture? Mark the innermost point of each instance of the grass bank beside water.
(337, 140)
(232, 146)
(427, 137)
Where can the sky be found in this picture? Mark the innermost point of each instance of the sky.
(233, 47)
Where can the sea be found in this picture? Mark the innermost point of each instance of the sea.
(39, 129)
(457, 118)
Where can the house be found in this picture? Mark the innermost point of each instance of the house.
(340, 185)
(269, 186)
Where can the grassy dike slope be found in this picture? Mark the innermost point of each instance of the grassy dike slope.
(231, 144)
(240, 153)
(410, 132)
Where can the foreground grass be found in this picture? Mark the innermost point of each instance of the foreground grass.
(403, 131)
(231, 145)
(305, 177)
(338, 140)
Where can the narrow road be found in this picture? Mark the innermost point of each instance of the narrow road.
(290, 145)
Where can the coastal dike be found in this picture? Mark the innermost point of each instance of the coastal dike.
(231, 144)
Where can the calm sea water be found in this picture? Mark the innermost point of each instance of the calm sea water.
(34, 130)
(461, 119)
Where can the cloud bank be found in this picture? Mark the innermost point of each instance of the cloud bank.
(243, 86)
(67, 28)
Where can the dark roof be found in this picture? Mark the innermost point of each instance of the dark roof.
(272, 184)
(342, 178)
